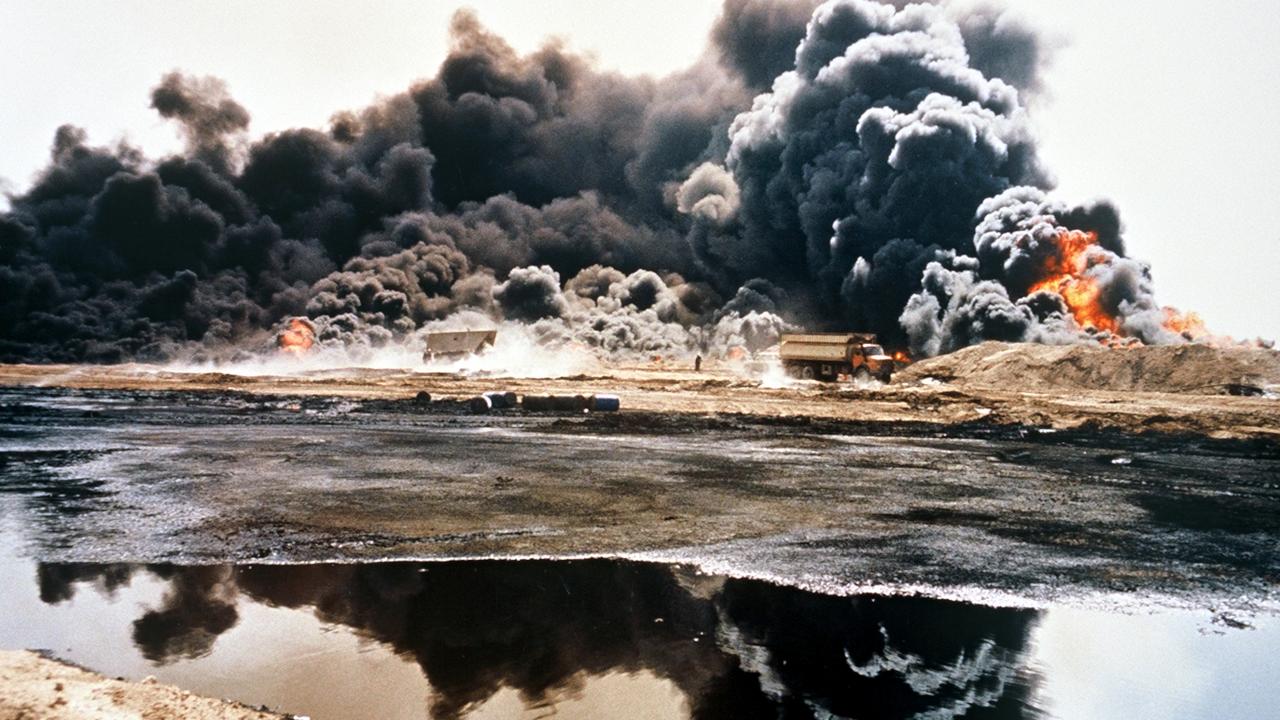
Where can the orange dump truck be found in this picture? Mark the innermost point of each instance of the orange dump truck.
(827, 356)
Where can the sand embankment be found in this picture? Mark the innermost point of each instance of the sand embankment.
(33, 687)
(1193, 369)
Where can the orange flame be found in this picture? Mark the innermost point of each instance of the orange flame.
(297, 337)
(1065, 275)
(901, 357)
(1192, 328)
(1188, 325)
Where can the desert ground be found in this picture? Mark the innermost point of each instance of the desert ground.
(1192, 389)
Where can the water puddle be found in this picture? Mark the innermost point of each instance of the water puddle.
(609, 638)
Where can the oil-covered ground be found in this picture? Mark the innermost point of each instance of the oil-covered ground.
(746, 566)
(109, 476)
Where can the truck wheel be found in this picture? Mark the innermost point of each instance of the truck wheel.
(806, 372)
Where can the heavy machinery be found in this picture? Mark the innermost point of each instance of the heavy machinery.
(454, 344)
(827, 356)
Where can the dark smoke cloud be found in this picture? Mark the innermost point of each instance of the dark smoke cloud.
(966, 300)
(549, 126)
(830, 167)
(756, 39)
(1002, 45)
(205, 110)
(882, 135)
(531, 293)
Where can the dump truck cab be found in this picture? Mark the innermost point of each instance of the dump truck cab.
(877, 362)
(827, 356)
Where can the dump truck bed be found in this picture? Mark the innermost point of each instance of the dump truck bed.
(821, 347)
(828, 338)
(459, 342)
(829, 352)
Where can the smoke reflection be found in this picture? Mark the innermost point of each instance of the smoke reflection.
(735, 648)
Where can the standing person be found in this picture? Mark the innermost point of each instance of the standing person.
(697, 363)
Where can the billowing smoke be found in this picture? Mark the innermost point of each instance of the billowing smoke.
(208, 115)
(847, 166)
(1044, 272)
(756, 39)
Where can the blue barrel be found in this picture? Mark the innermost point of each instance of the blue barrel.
(605, 403)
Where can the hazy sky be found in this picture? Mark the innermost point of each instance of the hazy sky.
(1168, 108)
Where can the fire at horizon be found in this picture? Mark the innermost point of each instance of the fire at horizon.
(1068, 273)
(297, 337)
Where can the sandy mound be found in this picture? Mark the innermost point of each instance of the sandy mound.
(35, 688)
(1197, 369)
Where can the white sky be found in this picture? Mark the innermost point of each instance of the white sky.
(1169, 108)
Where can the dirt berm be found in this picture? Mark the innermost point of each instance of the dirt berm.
(1198, 369)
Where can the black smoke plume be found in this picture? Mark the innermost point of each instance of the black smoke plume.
(206, 112)
(834, 167)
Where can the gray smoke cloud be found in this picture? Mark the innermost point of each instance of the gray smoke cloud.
(849, 165)
(993, 296)
(206, 112)
(756, 39)
(1002, 45)
(876, 149)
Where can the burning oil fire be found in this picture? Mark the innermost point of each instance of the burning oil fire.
(1189, 325)
(297, 337)
(901, 357)
(1067, 274)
